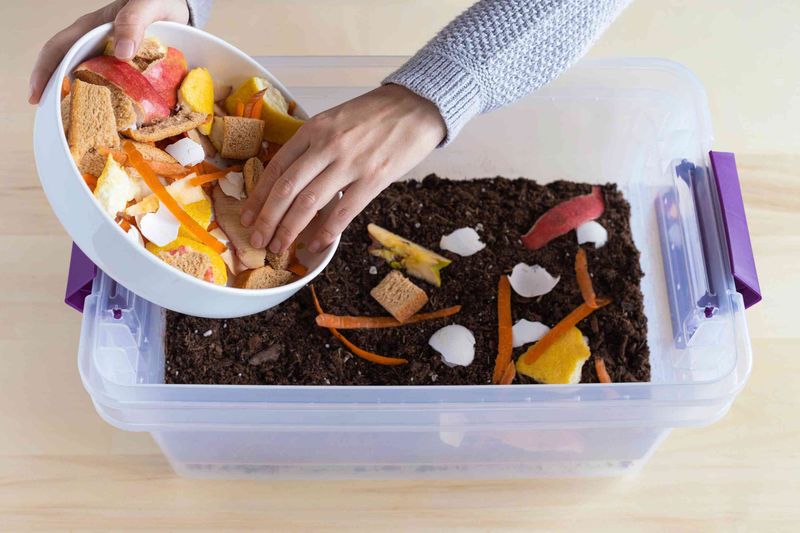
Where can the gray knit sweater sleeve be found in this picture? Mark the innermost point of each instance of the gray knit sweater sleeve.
(199, 10)
(498, 51)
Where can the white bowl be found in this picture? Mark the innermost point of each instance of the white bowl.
(100, 238)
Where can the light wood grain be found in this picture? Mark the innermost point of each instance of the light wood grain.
(62, 467)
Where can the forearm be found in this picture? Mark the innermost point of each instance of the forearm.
(199, 11)
(498, 51)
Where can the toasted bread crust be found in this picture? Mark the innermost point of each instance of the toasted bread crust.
(92, 163)
(252, 170)
(151, 153)
(194, 263)
(124, 108)
(399, 296)
(241, 137)
(265, 277)
(184, 120)
(91, 119)
(279, 261)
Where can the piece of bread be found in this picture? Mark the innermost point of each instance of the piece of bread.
(92, 163)
(152, 153)
(182, 121)
(399, 296)
(125, 113)
(252, 170)
(150, 50)
(265, 277)
(192, 262)
(66, 103)
(237, 137)
(91, 119)
(279, 261)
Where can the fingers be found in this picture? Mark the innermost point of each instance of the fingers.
(53, 52)
(285, 157)
(305, 206)
(130, 25)
(284, 191)
(355, 199)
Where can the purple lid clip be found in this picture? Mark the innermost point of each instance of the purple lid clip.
(79, 282)
(737, 235)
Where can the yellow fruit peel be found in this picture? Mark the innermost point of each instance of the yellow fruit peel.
(200, 212)
(561, 363)
(279, 125)
(197, 92)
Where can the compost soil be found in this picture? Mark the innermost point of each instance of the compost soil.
(283, 346)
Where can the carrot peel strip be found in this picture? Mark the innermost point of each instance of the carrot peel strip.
(202, 179)
(253, 107)
(239, 109)
(504, 340)
(558, 331)
(326, 320)
(364, 354)
(297, 269)
(150, 178)
(584, 279)
(208, 178)
(91, 181)
(602, 373)
(509, 374)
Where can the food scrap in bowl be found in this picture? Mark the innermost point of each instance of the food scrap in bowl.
(170, 153)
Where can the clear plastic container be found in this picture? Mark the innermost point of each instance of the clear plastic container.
(641, 123)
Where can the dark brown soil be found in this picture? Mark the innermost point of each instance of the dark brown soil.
(284, 346)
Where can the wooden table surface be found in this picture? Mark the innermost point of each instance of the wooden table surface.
(62, 467)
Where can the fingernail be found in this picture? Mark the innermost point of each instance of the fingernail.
(257, 240)
(247, 217)
(275, 246)
(124, 49)
(314, 247)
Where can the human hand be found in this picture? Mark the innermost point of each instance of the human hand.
(130, 17)
(358, 147)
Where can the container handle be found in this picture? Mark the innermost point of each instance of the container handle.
(737, 235)
(79, 281)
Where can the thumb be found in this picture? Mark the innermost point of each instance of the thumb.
(130, 24)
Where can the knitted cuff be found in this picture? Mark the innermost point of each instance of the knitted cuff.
(448, 85)
(199, 10)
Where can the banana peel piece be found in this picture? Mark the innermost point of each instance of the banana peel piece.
(403, 254)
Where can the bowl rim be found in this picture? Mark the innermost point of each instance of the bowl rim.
(61, 72)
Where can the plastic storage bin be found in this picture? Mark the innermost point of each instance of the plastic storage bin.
(641, 123)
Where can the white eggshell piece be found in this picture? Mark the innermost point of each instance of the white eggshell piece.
(525, 332)
(592, 232)
(531, 280)
(161, 227)
(463, 241)
(134, 235)
(233, 185)
(186, 151)
(455, 343)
